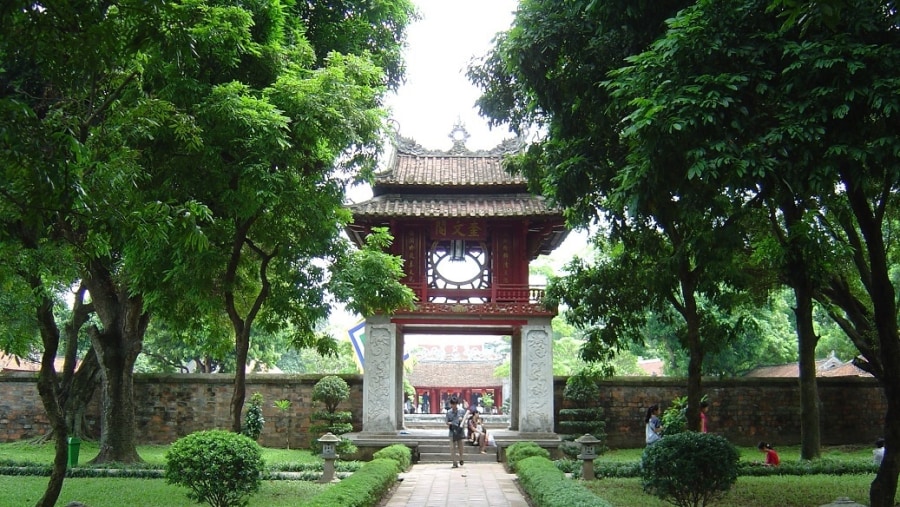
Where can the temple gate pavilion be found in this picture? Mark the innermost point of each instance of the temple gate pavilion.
(466, 230)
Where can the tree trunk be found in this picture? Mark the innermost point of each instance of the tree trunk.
(884, 488)
(241, 349)
(810, 433)
(695, 373)
(47, 389)
(117, 346)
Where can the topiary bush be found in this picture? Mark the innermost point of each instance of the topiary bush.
(397, 452)
(218, 467)
(689, 469)
(331, 391)
(521, 450)
(253, 419)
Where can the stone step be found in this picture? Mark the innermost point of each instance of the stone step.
(470, 455)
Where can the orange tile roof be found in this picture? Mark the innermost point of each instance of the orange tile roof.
(454, 374)
(431, 206)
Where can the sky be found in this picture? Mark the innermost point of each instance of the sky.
(437, 92)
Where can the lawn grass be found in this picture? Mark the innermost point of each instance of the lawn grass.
(114, 492)
(776, 490)
(772, 491)
(154, 456)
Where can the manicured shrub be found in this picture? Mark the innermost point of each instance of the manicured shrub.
(397, 452)
(253, 419)
(218, 467)
(362, 489)
(331, 391)
(521, 450)
(689, 469)
(547, 486)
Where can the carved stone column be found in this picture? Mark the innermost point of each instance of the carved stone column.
(380, 395)
(535, 410)
(515, 382)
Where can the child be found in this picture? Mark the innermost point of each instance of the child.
(878, 452)
(772, 459)
(653, 428)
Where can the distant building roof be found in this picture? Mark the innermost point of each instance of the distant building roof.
(454, 374)
(10, 362)
(828, 367)
(652, 367)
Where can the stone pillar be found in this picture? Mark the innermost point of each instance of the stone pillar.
(380, 394)
(515, 379)
(398, 378)
(535, 410)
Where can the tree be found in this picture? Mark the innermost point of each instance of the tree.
(804, 119)
(544, 71)
(126, 115)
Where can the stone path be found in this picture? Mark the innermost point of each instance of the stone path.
(440, 485)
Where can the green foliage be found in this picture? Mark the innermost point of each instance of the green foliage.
(521, 450)
(690, 469)
(547, 486)
(253, 419)
(331, 391)
(397, 452)
(362, 489)
(218, 467)
(582, 388)
(673, 419)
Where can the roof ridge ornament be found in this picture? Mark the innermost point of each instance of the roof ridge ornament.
(459, 135)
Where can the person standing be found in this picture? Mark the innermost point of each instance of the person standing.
(652, 426)
(704, 408)
(878, 452)
(455, 417)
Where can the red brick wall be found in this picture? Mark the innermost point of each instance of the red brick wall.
(746, 410)
(743, 410)
(171, 406)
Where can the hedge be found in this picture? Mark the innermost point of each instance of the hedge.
(397, 452)
(365, 488)
(548, 486)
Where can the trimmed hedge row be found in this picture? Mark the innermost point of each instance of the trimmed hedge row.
(362, 489)
(824, 466)
(522, 450)
(548, 486)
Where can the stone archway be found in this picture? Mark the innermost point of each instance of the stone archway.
(531, 396)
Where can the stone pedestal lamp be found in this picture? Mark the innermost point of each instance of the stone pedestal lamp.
(329, 454)
(587, 456)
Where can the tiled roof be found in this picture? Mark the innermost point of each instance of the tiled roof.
(454, 374)
(427, 206)
(829, 367)
(448, 171)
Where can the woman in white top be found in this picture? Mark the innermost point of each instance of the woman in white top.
(653, 428)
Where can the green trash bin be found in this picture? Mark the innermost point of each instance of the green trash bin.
(74, 447)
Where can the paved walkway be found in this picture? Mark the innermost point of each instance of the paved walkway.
(440, 485)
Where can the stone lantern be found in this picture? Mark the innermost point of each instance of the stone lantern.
(588, 454)
(329, 454)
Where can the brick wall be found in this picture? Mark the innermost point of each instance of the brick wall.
(168, 407)
(747, 410)
(743, 410)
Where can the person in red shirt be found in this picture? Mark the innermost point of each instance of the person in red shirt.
(704, 408)
(772, 459)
